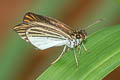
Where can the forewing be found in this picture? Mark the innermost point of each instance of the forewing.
(32, 17)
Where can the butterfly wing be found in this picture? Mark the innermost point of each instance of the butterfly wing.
(32, 20)
(39, 29)
(21, 30)
(32, 17)
(43, 40)
(46, 42)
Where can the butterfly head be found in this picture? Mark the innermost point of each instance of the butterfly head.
(81, 34)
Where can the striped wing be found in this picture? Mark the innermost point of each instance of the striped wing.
(41, 30)
(32, 17)
(43, 39)
(21, 30)
(43, 22)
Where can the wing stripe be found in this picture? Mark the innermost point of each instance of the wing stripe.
(63, 28)
(22, 35)
(50, 37)
(34, 33)
(20, 29)
(29, 17)
(51, 29)
(45, 32)
(25, 20)
(33, 16)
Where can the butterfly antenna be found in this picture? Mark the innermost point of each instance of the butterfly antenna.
(96, 22)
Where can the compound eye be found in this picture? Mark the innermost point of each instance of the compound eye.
(77, 36)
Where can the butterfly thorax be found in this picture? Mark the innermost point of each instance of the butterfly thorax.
(77, 38)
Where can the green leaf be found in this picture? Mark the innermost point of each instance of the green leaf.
(104, 57)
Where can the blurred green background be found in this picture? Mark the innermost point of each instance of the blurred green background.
(19, 60)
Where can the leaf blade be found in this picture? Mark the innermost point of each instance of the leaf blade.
(104, 57)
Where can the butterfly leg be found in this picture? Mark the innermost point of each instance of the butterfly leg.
(84, 47)
(60, 55)
(75, 57)
(80, 49)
